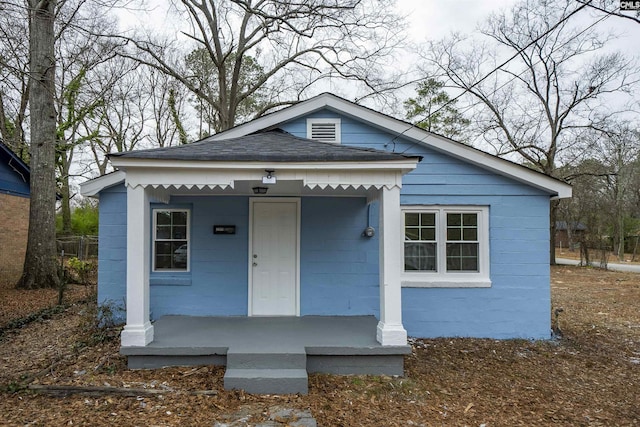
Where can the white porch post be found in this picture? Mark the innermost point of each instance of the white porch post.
(138, 330)
(390, 329)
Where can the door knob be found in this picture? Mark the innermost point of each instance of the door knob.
(255, 264)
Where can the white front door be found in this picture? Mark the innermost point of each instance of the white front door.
(273, 286)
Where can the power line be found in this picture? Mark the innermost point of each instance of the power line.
(523, 71)
(497, 68)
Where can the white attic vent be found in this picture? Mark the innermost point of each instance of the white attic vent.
(325, 130)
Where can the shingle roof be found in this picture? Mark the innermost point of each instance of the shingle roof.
(272, 146)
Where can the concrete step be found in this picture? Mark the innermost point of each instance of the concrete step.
(291, 359)
(267, 381)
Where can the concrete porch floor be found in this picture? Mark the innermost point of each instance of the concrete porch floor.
(255, 345)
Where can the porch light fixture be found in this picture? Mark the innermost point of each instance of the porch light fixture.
(260, 190)
(269, 179)
(369, 232)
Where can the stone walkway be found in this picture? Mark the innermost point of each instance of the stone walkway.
(278, 417)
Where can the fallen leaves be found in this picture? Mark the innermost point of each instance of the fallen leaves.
(589, 377)
(19, 303)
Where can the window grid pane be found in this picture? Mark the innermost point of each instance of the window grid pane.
(171, 244)
(462, 257)
(420, 241)
(462, 227)
(460, 245)
(462, 242)
(420, 256)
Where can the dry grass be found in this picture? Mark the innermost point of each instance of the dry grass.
(590, 377)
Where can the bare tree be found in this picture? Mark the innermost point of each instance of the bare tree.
(14, 76)
(120, 119)
(605, 197)
(584, 208)
(617, 147)
(140, 107)
(296, 44)
(79, 54)
(612, 7)
(557, 79)
(40, 269)
(167, 103)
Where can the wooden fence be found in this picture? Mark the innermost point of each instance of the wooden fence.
(81, 247)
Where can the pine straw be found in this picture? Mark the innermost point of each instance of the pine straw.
(17, 304)
(589, 377)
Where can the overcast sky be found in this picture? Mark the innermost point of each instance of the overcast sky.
(434, 19)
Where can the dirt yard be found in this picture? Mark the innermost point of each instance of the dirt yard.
(589, 377)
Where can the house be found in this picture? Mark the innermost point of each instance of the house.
(568, 234)
(14, 215)
(315, 239)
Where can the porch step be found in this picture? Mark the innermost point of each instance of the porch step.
(285, 359)
(267, 381)
(282, 371)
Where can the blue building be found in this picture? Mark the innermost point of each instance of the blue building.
(326, 209)
(14, 215)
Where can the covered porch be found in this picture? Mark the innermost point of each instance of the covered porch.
(296, 168)
(270, 354)
(280, 196)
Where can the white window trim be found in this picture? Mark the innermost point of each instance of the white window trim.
(441, 278)
(153, 240)
(335, 121)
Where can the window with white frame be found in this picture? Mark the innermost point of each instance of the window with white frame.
(446, 246)
(170, 240)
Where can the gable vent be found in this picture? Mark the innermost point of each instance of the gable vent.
(325, 130)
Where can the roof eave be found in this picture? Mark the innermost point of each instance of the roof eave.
(124, 163)
(93, 187)
(20, 167)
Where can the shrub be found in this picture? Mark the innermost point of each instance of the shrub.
(80, 270)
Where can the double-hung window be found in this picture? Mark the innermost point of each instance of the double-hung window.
(446, 246)
(170, 240)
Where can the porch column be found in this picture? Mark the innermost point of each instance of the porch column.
(138, 330)
(390, 329)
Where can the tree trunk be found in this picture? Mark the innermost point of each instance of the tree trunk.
(66, 206)
(40, 267)
(621, 244)
(65, 192)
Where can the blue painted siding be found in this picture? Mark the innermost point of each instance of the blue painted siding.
(218, 276)
(218, 273)
(518, 302)
(338, 272)
(112, 249)
(338, 267)
(11, 182)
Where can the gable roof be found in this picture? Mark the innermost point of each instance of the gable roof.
(16, 165)
(405, 130)
(269, 146)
